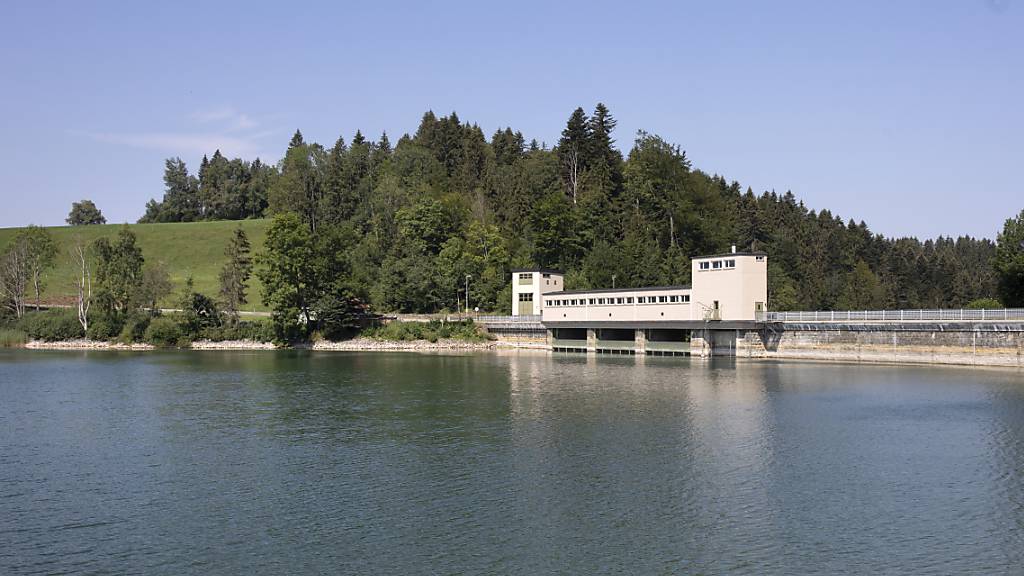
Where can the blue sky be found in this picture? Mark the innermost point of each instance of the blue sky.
(905, 114)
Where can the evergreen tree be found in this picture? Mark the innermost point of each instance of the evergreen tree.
(1009, 262)
(234, 276)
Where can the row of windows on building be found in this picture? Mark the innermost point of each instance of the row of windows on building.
(717, 264)
(527, 278)
(624, 300)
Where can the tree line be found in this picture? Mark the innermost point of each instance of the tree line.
(401, 226)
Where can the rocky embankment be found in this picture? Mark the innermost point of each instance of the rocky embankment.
(355, 345)
(370, 344)
(84, 344)
(232, 345)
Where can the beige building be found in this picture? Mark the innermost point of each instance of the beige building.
(725, 287)
(528, 288)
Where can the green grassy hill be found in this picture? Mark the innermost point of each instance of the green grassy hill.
(187, 248)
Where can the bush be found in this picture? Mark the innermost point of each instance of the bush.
(134, 329)
(103, 328)
(165, 331)
(257, 330)
(984, 304)
(431, 331)
(52, 325)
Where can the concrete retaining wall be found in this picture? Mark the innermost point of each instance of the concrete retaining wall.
(933, 343)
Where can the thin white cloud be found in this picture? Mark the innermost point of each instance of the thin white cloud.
(223, 129)
(227, 117)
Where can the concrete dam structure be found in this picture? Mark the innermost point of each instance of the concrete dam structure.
(724, 313)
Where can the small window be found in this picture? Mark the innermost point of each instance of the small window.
(730, 263)
(547, 282)
(629, 299)
(525, 276)
(758, 306)
(705, 265)
(526, 297)
(556, 282)
(662, 299)
(716, 265)
(593, 301)
(686, 297)
(673, 298)
(620, 300)
(640, 299)
(547, 275)
(760, 258)
(600, 300)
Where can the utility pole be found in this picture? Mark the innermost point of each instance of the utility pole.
(468, 276)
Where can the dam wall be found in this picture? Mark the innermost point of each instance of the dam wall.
(962, 343)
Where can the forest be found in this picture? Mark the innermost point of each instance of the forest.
(400, 226)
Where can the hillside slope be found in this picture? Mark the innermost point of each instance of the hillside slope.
(186, 248)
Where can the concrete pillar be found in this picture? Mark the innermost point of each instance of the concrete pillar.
(550, 337)
(591, 340)
(641, 341)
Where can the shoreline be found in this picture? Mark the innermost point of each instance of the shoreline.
(354, 345)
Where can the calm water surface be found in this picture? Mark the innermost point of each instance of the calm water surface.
(349, 463)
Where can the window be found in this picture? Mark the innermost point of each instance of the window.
(716, 265)
(705, 265)
(629, 299)
(592, 301)
(641, 300)
(686, 297)
(526, 296)
(547, 275)
(600, 300)
(662, 299)
(620, 300)
(525, 276)
(730, 263)
(758, 306)
(673, 298)
(760, 258)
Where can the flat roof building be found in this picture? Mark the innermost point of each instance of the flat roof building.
(725, 287)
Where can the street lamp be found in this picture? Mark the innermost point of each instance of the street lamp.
(468, 276)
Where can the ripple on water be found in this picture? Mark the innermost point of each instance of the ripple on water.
(287, 462)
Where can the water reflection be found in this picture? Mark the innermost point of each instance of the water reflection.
(517, 462)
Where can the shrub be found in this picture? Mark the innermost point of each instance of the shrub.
(257, 330)
(984, 304)
(165, 331)
(431, 331)
(52, 325)
(134, 329)
(103, 328)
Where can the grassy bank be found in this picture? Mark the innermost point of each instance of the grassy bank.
(187, 248)
(12, 338)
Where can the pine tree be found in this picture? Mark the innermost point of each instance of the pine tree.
(574, 152)
(296, 139)
(235, 274)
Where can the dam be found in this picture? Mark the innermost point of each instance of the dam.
(724, 312)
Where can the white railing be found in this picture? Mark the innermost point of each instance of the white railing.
(522, 318)
(893, 315)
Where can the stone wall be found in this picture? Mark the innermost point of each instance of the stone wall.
(936, 343)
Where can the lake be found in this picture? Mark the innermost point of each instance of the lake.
(295, 462)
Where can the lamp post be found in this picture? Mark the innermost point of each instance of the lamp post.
(468, 276)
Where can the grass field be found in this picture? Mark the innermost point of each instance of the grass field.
(187, 248)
